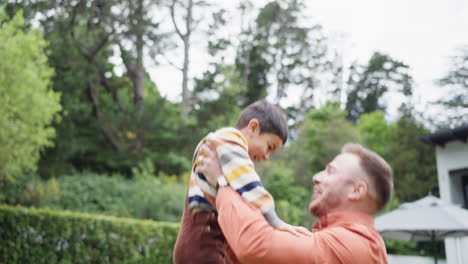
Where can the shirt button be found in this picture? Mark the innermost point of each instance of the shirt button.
(207, 228)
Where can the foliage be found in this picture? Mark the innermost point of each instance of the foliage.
(28, 105)
(144, 198)
(48, 236)
(456, 84)
(290, 199)
(111, 120)
(412, 161)
(377, 133)
(321, 136)
(381, 75)
(279, 50)
(120, 139)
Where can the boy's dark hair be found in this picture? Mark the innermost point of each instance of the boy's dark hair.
(270, 117)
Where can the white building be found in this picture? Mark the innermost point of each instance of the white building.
(452, 170)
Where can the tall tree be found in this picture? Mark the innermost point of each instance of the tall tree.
(282, 51)
(456, 80)
(28, 105)
(412, 161)
(367, 87)
(189, 25)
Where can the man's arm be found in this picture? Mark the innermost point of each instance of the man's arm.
(253, 240)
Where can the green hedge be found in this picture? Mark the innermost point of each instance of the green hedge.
(29, 235)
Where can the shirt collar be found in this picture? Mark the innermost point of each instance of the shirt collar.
(236, 132)
(343, 218)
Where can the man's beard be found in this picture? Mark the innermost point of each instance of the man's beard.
(324, 204)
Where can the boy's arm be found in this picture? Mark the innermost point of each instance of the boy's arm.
(240, 173)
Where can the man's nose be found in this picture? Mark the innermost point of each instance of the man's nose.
(316, 178)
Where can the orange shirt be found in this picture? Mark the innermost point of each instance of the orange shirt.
(343, 237)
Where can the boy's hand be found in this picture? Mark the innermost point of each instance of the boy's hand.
(295, 230)
(208, 163)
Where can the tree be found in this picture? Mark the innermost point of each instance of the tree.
(457, 81)
(377, 133)
(367, 88)
(28, 105)
(413, 162)
(281, 51)
(189, 25)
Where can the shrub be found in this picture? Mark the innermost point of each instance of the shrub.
(144, 197)
(291, 200)
(29, 235)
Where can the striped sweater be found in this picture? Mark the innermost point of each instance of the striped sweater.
(238, 168)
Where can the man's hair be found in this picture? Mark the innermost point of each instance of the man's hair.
(377, 170)
(270, 117)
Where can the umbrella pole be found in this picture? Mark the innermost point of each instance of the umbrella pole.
(434, 248)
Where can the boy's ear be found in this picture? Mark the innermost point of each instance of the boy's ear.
(253, 126)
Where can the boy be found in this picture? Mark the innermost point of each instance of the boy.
(260, 131)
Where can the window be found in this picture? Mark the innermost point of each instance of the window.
(465, 190)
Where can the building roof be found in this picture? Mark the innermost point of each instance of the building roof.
(440, 138)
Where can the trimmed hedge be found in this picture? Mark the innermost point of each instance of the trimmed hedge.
(29, 235)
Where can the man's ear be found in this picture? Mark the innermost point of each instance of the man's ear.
(253, 126)
(359, 191)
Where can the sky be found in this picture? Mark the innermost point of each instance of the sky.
(421, 33)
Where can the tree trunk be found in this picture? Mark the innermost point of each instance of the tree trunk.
(185, 37)
(185, 91)
(138, 78)
(185, 68)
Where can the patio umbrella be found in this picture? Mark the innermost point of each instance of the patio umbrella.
(427, 219)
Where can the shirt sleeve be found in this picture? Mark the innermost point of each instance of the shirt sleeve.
(253, 240)
(240, 173)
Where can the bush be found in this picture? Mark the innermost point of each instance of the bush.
(30, 235)
(143, 197)
(291, 200)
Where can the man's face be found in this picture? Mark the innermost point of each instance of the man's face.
(261, 145)
(333, 185)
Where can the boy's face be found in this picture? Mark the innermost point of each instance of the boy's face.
(261, 145)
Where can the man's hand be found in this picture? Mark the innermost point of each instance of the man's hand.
(208, 163)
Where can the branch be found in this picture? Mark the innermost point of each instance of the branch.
(125, 58)
(173, 19)
(94, 100)
(96, 48)
(112, 89)
(171, 63)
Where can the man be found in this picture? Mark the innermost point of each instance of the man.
(354, 185)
